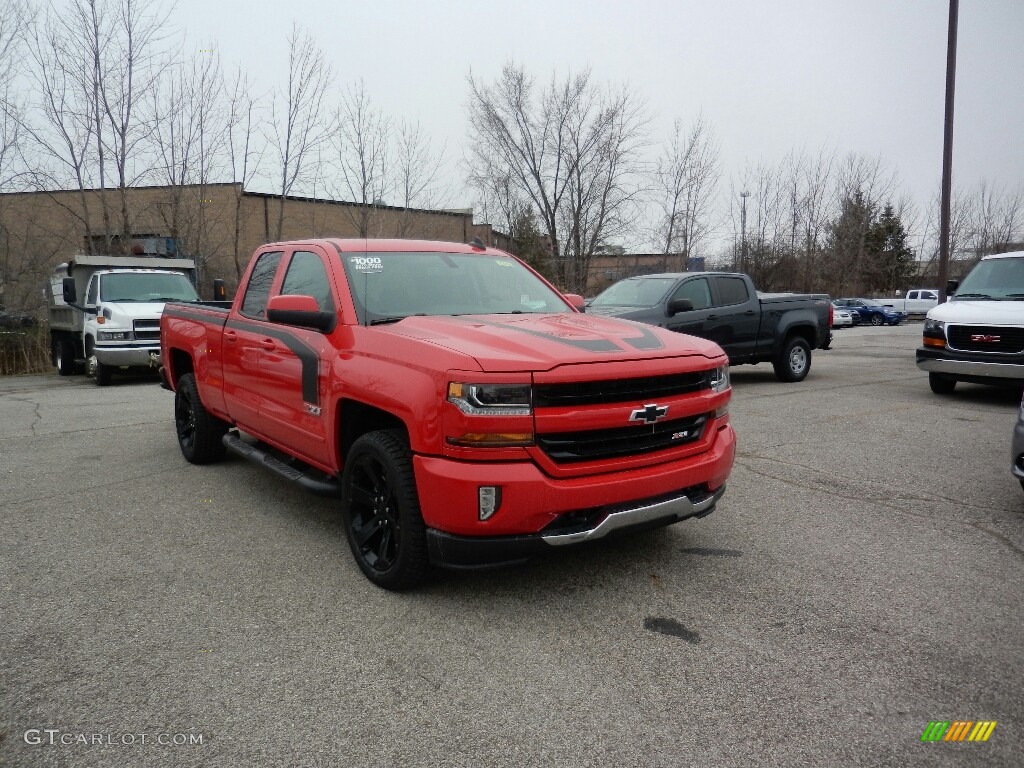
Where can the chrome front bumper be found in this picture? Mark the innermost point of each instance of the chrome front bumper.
(971, 368)
(145, 356)
(678, 508)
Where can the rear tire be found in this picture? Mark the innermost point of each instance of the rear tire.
(199, 432)
(794, 361)
(381, 510)
(941, 385)
(64, 357)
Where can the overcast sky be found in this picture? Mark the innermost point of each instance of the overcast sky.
(865, 76)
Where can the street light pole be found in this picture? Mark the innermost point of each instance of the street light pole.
(947, 151)
(743, 230)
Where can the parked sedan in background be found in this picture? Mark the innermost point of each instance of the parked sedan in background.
(872, 311)
(842, 317)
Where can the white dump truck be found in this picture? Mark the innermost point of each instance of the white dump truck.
(105, 311)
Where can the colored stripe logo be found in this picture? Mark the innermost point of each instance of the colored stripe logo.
(958, 730)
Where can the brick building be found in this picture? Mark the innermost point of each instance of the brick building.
(218, 225)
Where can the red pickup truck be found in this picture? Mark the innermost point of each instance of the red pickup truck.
(465, 412)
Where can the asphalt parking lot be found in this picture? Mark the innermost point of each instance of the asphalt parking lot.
(861, 577)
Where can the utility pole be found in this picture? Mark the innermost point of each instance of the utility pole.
(743, 230)
(947, 151)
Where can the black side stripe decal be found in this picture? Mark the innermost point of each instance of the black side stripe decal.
(307, 356)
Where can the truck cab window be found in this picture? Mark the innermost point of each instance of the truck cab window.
(90, 299)
(696, 291)
(307, 276)
(255, 302)
(731, 290)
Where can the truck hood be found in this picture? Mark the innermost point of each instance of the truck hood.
(124, 313)
(974, 312)
(537, 342)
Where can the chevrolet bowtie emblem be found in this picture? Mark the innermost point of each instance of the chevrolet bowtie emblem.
(649, 413)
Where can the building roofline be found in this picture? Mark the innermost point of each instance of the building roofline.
(460, 213)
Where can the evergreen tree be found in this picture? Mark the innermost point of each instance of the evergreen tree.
(890, 256)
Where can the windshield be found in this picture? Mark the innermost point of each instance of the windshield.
(146, 286)
(872, 303)
(634, 292)
(997, 279)
(388, 287)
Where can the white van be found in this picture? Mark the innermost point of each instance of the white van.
(978, 335)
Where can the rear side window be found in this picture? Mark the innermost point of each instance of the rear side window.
(696, 291)
(731, 290)
(255, 302)
(307, 276)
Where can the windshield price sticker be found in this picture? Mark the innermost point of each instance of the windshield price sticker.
(367, 263)
(503, 262)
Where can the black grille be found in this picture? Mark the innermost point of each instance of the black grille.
(988, 338)
(566, 447)
(146, 330)
(645, 389)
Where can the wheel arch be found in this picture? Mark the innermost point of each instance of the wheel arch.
(355, 418)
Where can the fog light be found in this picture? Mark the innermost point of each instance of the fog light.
(488, 500)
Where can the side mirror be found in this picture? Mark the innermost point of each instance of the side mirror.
(951, 287)
(577, 301)
(68, 287)
(300, 310)
(220, 291)
(679, 305)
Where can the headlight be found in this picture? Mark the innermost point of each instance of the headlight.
(491, 399)
(720, 378)
(935, 326)
(115, 335)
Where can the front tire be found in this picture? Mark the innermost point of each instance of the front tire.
(794, 361)
(941, 385)
(381, 511)
(104, 373)
(199, 432)
(877, 320)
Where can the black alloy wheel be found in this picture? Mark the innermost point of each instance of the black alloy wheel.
(877, 320)
(199, 433)
(381, 508)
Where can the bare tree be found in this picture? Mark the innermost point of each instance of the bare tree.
(297, 123)
(416, 171)
(190, 131)
(361, 143)
(60, 124)
(571, 150)
(685, 187)
(14, 23)
(243, 117)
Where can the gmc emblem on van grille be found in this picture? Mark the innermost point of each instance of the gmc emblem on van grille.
(649, 413)
(988, 339)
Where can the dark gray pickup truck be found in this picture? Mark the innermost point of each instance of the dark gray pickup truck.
(780, 328)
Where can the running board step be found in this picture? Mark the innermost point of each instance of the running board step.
(320, 486)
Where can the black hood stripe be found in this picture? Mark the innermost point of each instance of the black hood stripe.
(646, 340)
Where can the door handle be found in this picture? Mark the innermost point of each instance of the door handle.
(268, 343)
(230, 336)
(750, 313)
(712, 317)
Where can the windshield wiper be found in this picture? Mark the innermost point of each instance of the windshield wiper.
(387, 320)
(1015, 295)
(973, 296)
